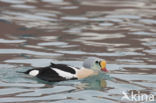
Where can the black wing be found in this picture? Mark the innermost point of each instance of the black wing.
(63, 67)
(48, 74)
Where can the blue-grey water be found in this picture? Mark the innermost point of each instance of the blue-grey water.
(34, 33)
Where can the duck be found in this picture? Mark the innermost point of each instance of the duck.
(61, 72)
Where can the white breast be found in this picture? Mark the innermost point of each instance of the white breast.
(84, 73)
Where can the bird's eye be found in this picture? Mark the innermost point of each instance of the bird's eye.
(97, 62)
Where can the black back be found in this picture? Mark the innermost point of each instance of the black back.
(63, 67)
(48, 74)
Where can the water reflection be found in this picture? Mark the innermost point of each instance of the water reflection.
(34, 33)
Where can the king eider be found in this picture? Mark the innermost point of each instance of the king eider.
(60, 72)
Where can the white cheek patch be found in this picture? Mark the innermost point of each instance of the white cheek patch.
(34, 73)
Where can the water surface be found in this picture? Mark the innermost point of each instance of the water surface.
(34, 33)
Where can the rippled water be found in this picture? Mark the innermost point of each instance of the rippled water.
(35, 32)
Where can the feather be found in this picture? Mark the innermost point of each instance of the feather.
(64, 74)
(53, 72)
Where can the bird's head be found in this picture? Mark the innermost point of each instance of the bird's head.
(95, 63)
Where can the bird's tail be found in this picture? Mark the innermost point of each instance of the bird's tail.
(21, 72)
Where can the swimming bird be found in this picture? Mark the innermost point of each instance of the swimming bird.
(60, 72)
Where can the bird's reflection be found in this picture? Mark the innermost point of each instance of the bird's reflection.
(94, 82)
